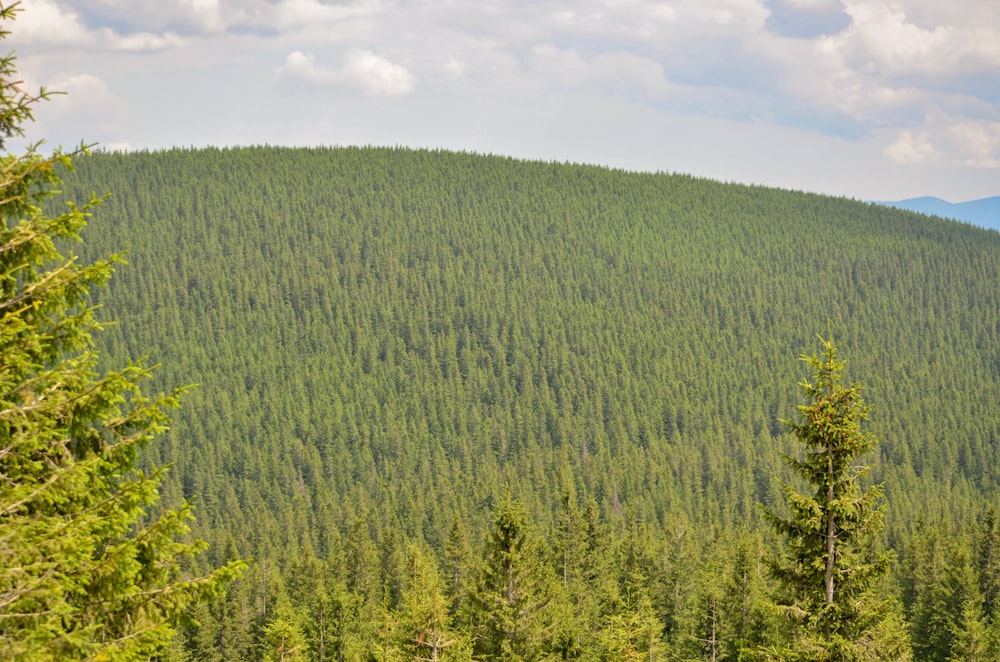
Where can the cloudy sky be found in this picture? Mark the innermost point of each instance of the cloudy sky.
(868, 99)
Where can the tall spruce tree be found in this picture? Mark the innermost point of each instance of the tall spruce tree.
(830, 575)
(87, 571)
(511, 604)
(424, 630)
(634, 631)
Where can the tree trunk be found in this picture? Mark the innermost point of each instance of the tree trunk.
(830, 533)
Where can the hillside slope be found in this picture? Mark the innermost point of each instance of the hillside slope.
(394, 335)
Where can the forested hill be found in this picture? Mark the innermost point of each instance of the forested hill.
(405, 331)
(390, 337)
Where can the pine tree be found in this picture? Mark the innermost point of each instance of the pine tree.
(457, 566)
(85, 568)
(829, 575)
(576, 605)
(970, 635)
(308, 592)
(747, 622)
(948, 618)
(633, 631)
(509, 608)
(988, 561)
(927, 593)
(424, 630)
(283, 636)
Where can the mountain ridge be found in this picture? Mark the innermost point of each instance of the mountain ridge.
(984, 212)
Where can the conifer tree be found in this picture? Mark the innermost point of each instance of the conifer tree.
(86, 570)
(971, 641)
(283, 636)
(348, 634)
(457, 566)
(927, 591)
(509, 608)
(988, 561)
(948, 619)
(633, 631)
(424, 630)
(829, 576)
(578, 612)
(747, 620)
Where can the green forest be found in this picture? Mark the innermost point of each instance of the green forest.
(415, 371)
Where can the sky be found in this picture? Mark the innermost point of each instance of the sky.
(866, 99)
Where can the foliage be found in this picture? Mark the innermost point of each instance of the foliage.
(387, 337)
(633, 631)
(369, 324)
(511, 604)
(829, 574)
(424, 625)
(283, 638)
(88, 568)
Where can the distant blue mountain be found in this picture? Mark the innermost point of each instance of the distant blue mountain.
(984, 213)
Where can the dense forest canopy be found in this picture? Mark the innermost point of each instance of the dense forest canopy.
(394, 339)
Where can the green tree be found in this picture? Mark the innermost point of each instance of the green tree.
(948, 620)
(87, 569)
(283, 636)
(971, 636)
(357, 369)
(588, 582)
(510, 606)
(424, 630)
(988, 552)
(633, 630)
(829, 573)
(748, 621)
(927, 590)
(457, 566)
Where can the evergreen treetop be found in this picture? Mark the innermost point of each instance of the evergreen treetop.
(829, 574)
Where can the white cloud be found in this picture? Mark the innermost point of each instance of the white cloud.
(815, 5)
(47, 23)
(85, 94)
(912, 148)
(298, 13)
(91, 88)
(929, 13)
(886, 70)
(362, 69)
(303, 67)
(658, 24)
(818, 75)
(977, 143)
(84, 100)
(377, 75)
(139, 41)
(206, 14)
(949, 141)
(218, 16)
(454, 66)
(914, 80)
(884, 40)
